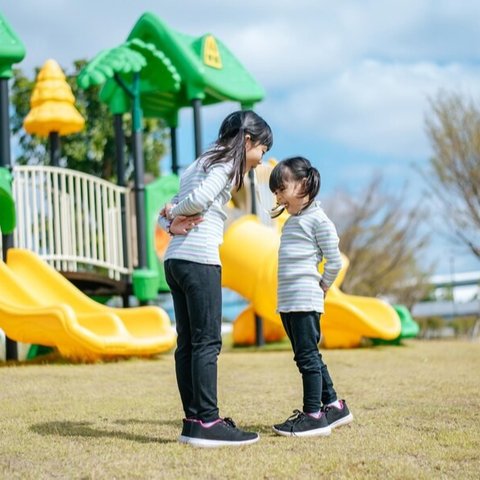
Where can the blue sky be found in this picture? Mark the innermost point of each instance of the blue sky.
(347, 82)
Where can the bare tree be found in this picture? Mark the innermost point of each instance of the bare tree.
(453, 176)
(383, 239)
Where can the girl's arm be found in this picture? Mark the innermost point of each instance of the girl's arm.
(203, 196)
(162, 219)
(180, 225)
(327, 239)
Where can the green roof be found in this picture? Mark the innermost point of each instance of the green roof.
(211, 84)
(178, 69)
(12, 49)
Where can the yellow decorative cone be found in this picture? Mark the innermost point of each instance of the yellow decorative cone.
(52, 104)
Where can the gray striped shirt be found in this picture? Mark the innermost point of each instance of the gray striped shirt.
(201, 193)
(306, 239)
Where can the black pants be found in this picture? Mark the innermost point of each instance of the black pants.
(303, 330)
(197, 298)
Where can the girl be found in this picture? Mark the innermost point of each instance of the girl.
(307, 236)
(195, 220)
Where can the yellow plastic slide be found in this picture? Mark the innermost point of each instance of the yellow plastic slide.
(38, 305)
(249, 259)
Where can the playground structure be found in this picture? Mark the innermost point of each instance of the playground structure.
(39, 306)
(82, 225)
(102, 236)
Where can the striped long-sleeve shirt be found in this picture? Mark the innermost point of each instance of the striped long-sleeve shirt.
(201, 193)
(306, 239)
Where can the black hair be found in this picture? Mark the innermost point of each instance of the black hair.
(231, 139)
(298, 169)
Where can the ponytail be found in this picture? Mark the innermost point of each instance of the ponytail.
(312, 182)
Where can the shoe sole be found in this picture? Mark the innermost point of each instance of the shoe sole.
(342, 421)
(203, 443)
(319, 432)
(183, 439)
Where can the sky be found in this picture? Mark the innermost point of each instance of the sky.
(347, 83)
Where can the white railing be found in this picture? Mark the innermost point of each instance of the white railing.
(71, 218)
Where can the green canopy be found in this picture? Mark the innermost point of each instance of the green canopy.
(208, 69)
(157, 74)
(11, 49)
(178, 68)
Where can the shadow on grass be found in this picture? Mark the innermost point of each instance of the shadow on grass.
(84, 429)
(263, 429)
(173, 423)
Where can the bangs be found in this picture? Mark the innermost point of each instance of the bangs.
(279, 176)
(266, 138)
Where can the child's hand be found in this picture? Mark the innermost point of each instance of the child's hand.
(181, 225)
(165, 211)
(324, 287)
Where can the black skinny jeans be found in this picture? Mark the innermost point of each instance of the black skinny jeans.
(303, 330)
(197, 298)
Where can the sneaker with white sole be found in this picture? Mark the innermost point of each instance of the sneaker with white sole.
(220, 433)
(337, 417)
(302, 424)
(186, 429)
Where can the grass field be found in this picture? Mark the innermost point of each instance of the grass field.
(416, 408)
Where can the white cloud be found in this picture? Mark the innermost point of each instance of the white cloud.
(374, 107)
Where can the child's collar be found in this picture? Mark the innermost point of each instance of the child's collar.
(306, 207)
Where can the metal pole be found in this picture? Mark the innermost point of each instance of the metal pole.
(5, 159)
(120, 160)
(197, 103)
(139, 173)
(119, 148)
(173, 147)
(11, 349)
(54, 143)
(251, 178)
(259, 336)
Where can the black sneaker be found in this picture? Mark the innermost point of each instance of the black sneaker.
(221, 433)
(301, 424)
(186, 429)
(337, 417)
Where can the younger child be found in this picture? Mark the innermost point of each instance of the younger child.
(307, 237)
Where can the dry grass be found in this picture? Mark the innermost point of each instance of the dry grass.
(417, 415)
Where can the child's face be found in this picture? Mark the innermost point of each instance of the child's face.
(254, 154)
(292, 197)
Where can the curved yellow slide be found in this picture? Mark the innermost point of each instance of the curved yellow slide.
(38, 305)
(249, 258)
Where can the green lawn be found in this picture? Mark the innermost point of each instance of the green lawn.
(416, 408)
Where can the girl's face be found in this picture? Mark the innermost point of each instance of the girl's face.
(291, 196)
(253, 153)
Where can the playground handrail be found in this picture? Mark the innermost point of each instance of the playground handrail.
(71, 218)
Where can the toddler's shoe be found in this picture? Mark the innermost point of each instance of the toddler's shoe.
(301, 424)
(221, 433)
(337, 417)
